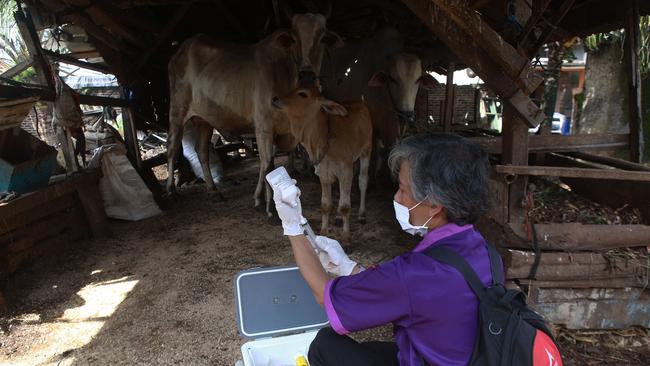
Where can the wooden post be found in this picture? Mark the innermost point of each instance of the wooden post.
(448, 115)
(515, 152)
(131, 138)
(632, 46)
(93, 206)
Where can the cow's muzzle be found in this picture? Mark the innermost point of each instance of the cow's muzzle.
(307, 79)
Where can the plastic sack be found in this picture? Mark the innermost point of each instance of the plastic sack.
(125, 195)
(190, 148)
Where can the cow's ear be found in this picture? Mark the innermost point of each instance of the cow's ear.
(427, 82)
(378, 79)
(334, 108)
(332, 40)
(283, 39)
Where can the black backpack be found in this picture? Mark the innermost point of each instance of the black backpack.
(509, 332)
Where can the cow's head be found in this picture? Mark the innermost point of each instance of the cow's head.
(403, 77)
(302, 105)
(308, 40)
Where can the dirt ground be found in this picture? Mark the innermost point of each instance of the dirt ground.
(160, 291)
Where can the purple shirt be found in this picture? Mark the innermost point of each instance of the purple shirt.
(433, 310)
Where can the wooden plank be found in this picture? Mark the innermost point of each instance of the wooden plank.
(22, 219)
(74, 61)
(593, 308)
(93, 206)
(600, 283)
(612, 174)
(144, 23)
(46, 227)
(561, 266)
(575, 236)
(33, 199)
(131, 139)
(110, 22)
(632, 49)
(559, 143)
(477, 58)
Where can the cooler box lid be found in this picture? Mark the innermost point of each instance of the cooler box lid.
(275, 301)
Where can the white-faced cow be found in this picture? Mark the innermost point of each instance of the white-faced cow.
(229, 87)
(386, 78)
(335, 136)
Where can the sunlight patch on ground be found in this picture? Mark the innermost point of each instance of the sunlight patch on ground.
(77, 326)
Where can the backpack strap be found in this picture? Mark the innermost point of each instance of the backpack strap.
(450, 257)
(496, 266)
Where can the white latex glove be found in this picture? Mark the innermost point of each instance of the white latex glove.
(333, 258)
(291, 216)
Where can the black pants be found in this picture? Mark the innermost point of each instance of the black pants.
(331, 349)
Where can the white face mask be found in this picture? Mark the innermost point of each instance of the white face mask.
(403, 217)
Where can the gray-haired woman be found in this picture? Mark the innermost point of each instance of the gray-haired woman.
(442, 192)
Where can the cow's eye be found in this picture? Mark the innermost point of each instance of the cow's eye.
(303, 94)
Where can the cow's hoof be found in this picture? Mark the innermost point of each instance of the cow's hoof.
(274, 220)
(362, 219)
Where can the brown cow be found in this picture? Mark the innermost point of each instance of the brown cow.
(335, 136)
(229, 87)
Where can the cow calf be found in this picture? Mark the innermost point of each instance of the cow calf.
(335, 136)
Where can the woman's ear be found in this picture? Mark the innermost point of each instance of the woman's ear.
(437, 212)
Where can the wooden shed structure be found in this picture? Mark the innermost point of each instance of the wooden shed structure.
(498, 40)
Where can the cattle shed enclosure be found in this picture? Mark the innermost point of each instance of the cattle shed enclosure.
(596, 268)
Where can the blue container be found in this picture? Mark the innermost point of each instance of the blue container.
(26, 163)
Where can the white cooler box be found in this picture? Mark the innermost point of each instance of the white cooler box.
(277, 312)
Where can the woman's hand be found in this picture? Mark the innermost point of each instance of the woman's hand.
(291, 215)
(333, 257)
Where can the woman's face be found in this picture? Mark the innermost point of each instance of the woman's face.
(404, 196)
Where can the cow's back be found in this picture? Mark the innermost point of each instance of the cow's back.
(351, 135)
(216, 81)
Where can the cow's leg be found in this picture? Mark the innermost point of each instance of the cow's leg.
(173, 148)
(205, 134)
(345, 188)
(325, 205)
(364, 164)
(265, 150)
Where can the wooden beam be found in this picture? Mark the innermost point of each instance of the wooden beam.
(606, 160)
(561, 266)
(612, 174)
(73, 61)
(448, 115)
(515, 151)
(164, 34)
(559, 143)
(110, 22)
(632, 49)
(33, 44)
(18, 68)
(102, 101)
(12, 92)
(497, 48)
(83, 54)
(468, 50)
(551, 26)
